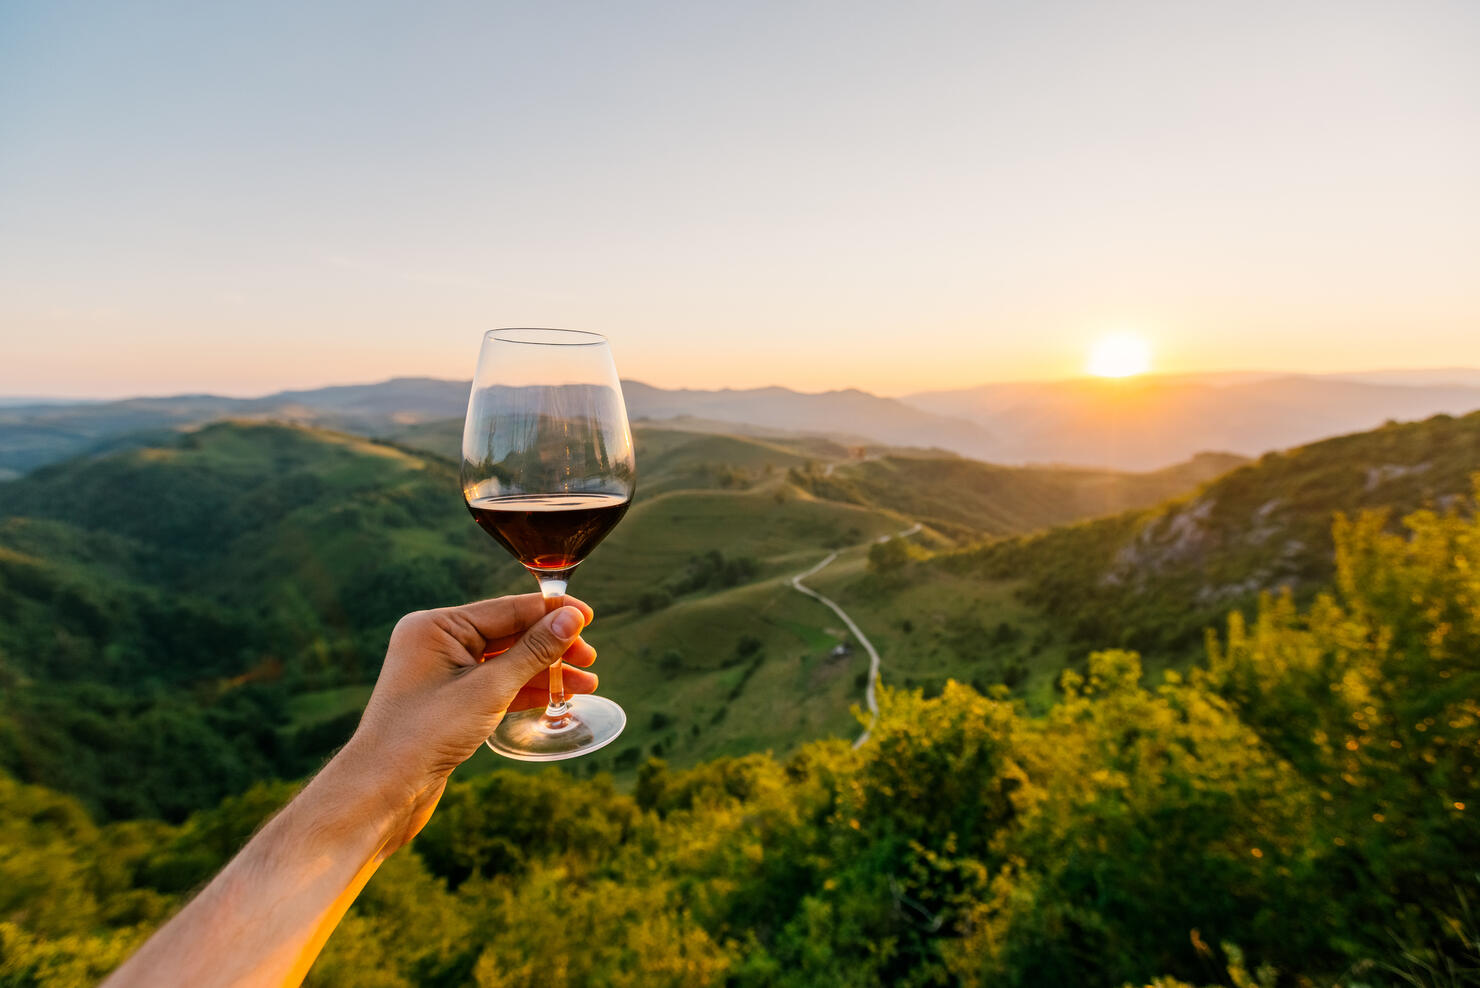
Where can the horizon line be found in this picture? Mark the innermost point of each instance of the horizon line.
(22, 400)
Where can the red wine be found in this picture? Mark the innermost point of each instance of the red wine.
(549, 531)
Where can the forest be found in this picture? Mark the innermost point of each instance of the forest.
(1298, 808)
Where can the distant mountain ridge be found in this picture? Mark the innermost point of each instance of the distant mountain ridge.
(1145, 423)
(37, 434)
(1135, 424)
(32, 435)
(845, 414)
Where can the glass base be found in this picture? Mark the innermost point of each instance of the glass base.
(592, 722)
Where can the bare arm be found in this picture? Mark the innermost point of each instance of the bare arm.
(266, 916)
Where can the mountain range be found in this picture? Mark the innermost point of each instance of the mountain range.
(1142, 423)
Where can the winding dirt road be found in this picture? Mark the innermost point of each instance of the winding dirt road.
(868, 646)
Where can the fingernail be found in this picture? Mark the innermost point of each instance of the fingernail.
(567, 622)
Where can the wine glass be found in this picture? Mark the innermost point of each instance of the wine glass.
(547, 470)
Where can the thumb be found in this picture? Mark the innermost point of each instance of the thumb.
(500, 677)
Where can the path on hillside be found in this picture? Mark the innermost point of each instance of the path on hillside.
(873, 654)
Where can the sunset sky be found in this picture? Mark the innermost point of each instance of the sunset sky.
(245, 197)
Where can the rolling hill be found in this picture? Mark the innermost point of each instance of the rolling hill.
(35, 434)
(969, 498)
(189, 618)
(291, 550)
(1151, 579)
(195, 610)
(1137, 424)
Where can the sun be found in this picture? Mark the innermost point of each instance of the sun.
(1119, 355)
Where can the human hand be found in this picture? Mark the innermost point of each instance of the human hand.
(449, 677)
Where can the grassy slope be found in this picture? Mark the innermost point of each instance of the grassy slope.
(1155, 579)
(303, 546)
(688, 690)
(260, 517)
(310, 544)
(973, 498)
(931, 624)
(667, 458)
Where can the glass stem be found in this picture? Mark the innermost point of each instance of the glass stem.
(557, 713)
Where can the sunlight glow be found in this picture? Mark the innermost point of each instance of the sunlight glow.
(1119, 355)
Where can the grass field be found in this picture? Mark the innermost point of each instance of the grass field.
(930, 625)
(748, 669)
(741, 669)
(986, 499)
(732, 670)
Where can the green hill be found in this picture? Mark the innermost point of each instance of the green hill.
(178, 620)
(1155, 579)
(950, 493)
(672, 457)
(158, 606)
(1297, 811)
(971, 498)
(181, 621)
(189, 613)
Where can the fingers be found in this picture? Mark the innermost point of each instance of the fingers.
(482, 622)
(500, 616)
(579, 654)
(575, 680)
(499, 679)
(536, 692)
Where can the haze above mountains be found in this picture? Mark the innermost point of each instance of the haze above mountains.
(1140, 423)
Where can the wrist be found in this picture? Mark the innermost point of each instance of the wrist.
(360, 803)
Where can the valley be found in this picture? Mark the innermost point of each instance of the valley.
(192, 621)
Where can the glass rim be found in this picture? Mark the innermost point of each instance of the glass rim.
(539, 336)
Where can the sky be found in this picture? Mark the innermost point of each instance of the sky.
(239, 198)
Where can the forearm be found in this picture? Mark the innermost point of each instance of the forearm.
(264, 918)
